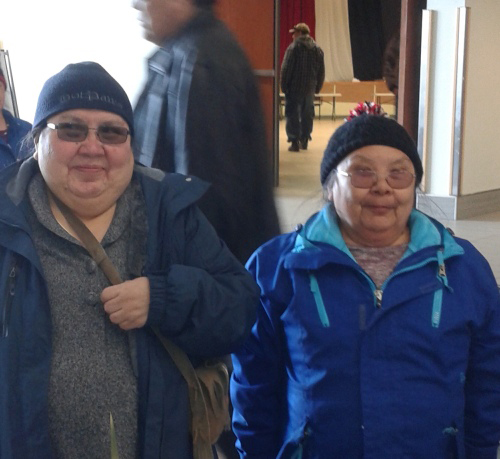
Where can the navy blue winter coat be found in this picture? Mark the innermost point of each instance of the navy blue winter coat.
(13, 150)
(201, 297)
(336, 368)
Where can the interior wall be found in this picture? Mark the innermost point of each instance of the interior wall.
(481, 160)
(441, 96)
(44, 36)
(480, 163)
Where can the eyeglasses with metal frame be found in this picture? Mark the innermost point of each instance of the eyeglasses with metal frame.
(365, 178)
(76, 132)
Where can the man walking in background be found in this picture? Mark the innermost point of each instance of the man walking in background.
(302, 75)
(200, 114)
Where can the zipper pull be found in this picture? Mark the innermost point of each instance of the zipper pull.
(442, 269)
(378, 297)
(10, 291)
(12, 275)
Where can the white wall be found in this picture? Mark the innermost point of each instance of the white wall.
(43, 36)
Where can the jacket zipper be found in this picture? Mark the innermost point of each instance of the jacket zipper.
(437, 303)
(378, 293)
(437, 300)
(299, 452)
(9, 297)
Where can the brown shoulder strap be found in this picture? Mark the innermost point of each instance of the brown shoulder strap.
(89, 241)
(181, 360)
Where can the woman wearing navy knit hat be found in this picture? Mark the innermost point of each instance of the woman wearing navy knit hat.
(75, 349)
(378, 333)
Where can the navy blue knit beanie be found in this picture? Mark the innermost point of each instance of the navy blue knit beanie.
(364, 130)
(84, 85)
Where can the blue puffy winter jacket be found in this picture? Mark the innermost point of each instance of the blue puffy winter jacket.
(338, 369)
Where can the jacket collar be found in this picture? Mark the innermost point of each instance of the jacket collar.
(424, 232)
(19, 179)
(9, 118)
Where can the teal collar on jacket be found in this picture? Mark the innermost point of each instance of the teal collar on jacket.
(424, 232)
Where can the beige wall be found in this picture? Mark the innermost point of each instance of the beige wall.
(441, 96)
(480, 163)
(481, 153)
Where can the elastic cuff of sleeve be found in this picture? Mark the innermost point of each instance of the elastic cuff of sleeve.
(157, 298)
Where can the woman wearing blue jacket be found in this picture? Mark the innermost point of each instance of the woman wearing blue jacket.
(378, 332)
(73, 348)
(12, 132)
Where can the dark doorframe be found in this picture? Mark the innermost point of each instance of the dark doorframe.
(254, 24)
(409, 64)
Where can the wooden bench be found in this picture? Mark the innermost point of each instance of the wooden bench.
(361, 91)
(349, 93)
(329, 94)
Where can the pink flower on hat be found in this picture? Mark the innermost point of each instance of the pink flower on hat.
(366, 108)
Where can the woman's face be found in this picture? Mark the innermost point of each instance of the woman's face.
(89, 173)
(375, 216)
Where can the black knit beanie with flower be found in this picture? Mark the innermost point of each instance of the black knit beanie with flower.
(366, 127)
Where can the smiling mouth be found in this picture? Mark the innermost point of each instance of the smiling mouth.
(88, 168)
(379, 209)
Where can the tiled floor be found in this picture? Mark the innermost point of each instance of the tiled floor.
(299, 194)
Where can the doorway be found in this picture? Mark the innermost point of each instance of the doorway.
(258, 26)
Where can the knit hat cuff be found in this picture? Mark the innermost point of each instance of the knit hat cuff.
(85, 85)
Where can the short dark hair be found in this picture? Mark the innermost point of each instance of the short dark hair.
(204, 3)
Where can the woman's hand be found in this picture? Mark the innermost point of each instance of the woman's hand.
(127, 304)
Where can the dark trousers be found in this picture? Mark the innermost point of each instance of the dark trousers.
(299, 113)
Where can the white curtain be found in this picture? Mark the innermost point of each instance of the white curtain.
(332, 35)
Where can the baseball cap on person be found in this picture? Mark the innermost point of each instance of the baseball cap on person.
(301, 27)
(84, 85)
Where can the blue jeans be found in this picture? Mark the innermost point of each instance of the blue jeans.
(299, 113)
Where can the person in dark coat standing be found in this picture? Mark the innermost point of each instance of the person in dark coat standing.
(302, 75)
(200, 113)
(390, 64)
(12, 131)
